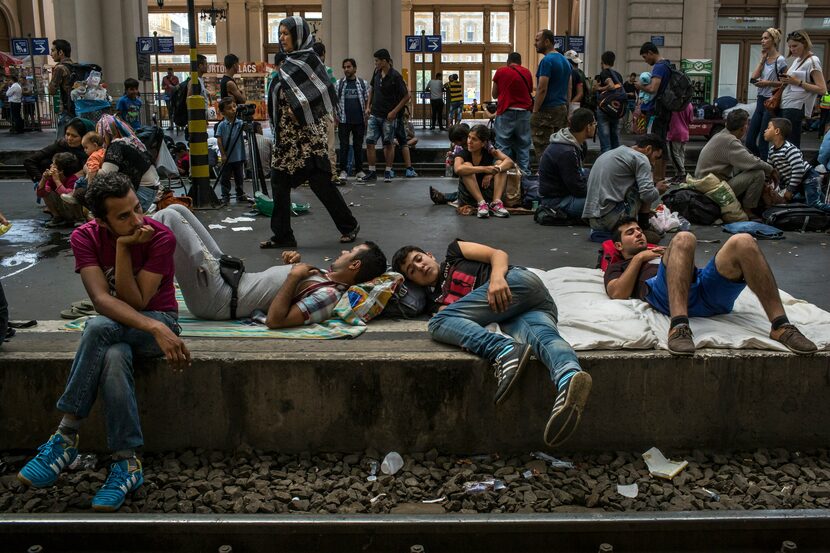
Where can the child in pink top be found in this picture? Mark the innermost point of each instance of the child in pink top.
(677, 137)
(60, 179)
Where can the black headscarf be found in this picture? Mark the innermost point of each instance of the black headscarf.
(303, 77)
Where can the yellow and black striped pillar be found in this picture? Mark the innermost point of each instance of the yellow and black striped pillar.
(200, 189)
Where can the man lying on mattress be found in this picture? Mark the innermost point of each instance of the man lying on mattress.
(669, 281)
(293, 294)
(475, 286)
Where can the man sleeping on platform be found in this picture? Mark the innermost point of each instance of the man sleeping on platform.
(476, 286)
(291, 295)
(669, 281)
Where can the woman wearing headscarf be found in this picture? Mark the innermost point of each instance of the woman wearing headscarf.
(765, 77)
(301, 100)
(40, 161)
(126, 154)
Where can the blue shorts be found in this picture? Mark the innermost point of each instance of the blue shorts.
(710, 293)
(380, 127)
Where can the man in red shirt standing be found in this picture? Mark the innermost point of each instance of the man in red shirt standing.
(169, 84)
(513, 89)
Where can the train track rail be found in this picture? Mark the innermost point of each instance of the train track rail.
(710, 532)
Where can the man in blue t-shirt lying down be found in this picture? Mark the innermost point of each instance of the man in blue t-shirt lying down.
(475, 286)
(669, 281)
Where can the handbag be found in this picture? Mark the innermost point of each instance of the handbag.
(772, 103)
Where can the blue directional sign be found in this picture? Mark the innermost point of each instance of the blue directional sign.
(658, 40)
(559, 43)
(433, 43)
(165, 44)
(20, 46)
(414, 43)
(40, 46)
(146, 45)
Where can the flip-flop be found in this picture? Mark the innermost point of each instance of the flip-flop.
(348, 238)
(272, 245)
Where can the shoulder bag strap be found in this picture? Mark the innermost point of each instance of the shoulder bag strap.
(527, 84)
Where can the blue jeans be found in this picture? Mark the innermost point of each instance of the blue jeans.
(608, 129)
(571, 205)
(758, 124)
(513, 137)
(104, 361)
(530, 318)
(629, 207)
(146, 196)
(813, 192)
(455, 111)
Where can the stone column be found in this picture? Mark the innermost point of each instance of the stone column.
(357, 28)
(234, 32)
(792, 20)
(89, 25)
(65, 27)
(523, 32)
(360, 43)
(256, 31)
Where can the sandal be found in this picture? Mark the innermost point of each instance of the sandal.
(272, 244)
(347, 238)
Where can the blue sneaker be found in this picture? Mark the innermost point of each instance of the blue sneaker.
(53, 456)
(125, 477)
(410, 173)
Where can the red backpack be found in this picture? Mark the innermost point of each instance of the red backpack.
(609, 254)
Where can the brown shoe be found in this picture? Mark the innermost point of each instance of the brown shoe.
(680, 340)
(795, 341)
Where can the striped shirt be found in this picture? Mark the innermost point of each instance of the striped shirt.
(790, 164)
(362, 91)
(456, 92)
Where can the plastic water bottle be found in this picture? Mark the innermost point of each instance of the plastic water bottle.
(392, 463)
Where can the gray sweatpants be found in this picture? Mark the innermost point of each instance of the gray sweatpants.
(197, 255)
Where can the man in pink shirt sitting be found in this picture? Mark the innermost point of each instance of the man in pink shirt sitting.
(126, 264)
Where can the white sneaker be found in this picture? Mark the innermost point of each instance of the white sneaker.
(483, 211)
(343, 175)
(360, 175)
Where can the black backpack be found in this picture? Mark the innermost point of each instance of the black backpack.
(696, 207)
(152, 137)
(178, 103)
(798, 217)
(678, 92)
(408, 301)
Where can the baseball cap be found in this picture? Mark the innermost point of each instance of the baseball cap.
(573, 56)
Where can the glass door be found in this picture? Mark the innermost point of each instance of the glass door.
(728, 60)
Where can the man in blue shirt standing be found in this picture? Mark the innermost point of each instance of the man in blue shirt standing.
(352, 94)
(553, 91)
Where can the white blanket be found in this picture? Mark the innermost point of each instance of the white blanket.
(589, 319)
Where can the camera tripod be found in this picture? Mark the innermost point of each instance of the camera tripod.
(257, 173)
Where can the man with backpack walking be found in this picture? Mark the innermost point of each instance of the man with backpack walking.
(671, 90)
(61, 82)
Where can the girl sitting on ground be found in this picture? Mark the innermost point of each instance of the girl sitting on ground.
(482, 174)
(57, 180)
